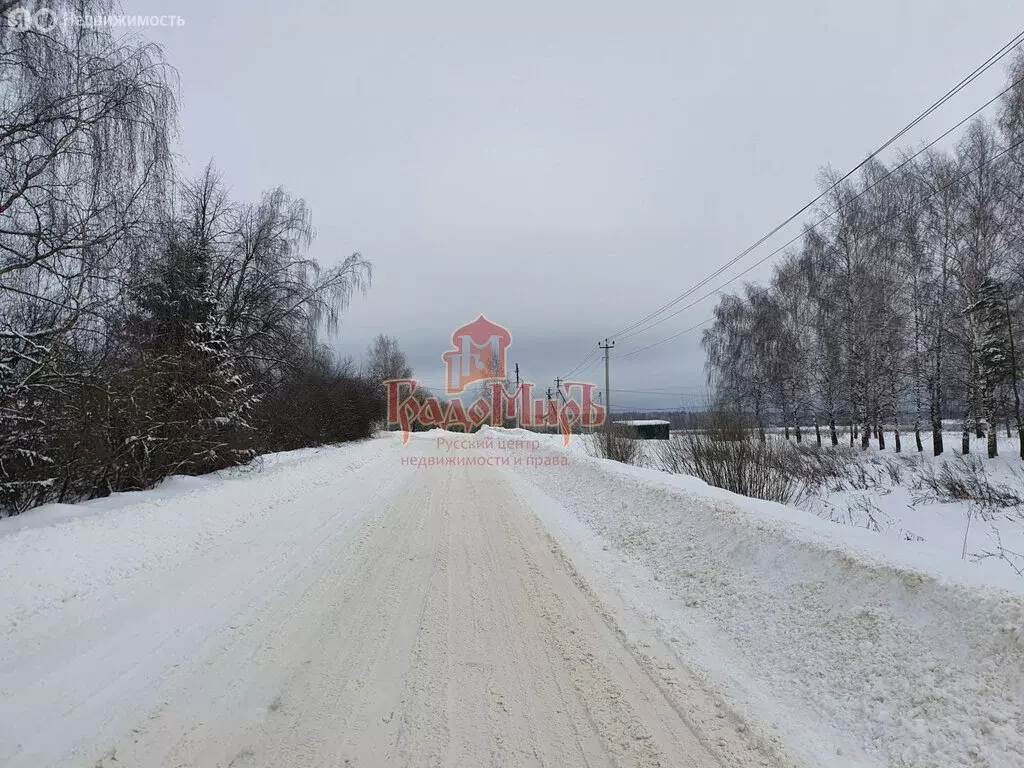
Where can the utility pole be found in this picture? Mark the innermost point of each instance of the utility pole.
(607, 391)
(558, 389)
(517, 397)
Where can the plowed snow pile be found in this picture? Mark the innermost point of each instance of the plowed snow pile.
(862, 651)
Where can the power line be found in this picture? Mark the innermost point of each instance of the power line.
(667, 339)
(949, 94)
(842, 207)
(581, 363)
(671, 408)
(695, 392)
(692, 393)
(591, 367)
(978, 71)
(899, 213)
(828, 216)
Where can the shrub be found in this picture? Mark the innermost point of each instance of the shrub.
(616, 442)
(965, 479)
(316, 407)
(728, 455)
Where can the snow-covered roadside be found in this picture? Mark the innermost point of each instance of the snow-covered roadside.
(863, 650)
(101, 602)
(888, 493)
(62, 553)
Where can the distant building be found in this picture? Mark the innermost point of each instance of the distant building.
(647, 429)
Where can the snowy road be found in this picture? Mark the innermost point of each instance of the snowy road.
(357, 614)
(343, 607)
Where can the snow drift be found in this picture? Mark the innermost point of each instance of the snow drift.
(862, 651)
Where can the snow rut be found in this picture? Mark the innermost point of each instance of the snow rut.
(445, 633)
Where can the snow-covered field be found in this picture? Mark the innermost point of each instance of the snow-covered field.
(888, 493)
(346, 604)
(889, 497)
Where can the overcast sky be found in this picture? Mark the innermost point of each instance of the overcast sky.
(562, 167)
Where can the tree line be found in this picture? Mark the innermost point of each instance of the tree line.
(901, 307)
(148, 325)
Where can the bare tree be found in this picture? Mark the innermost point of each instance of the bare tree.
(85, 125)
(385, 360)
(905, 299)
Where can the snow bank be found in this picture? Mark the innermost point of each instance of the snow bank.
(64, 553)
(103, 604)
(892, 653)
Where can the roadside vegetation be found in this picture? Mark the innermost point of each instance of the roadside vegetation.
(963, 502)
(901, 307)
(150, 324)
(616, 442)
